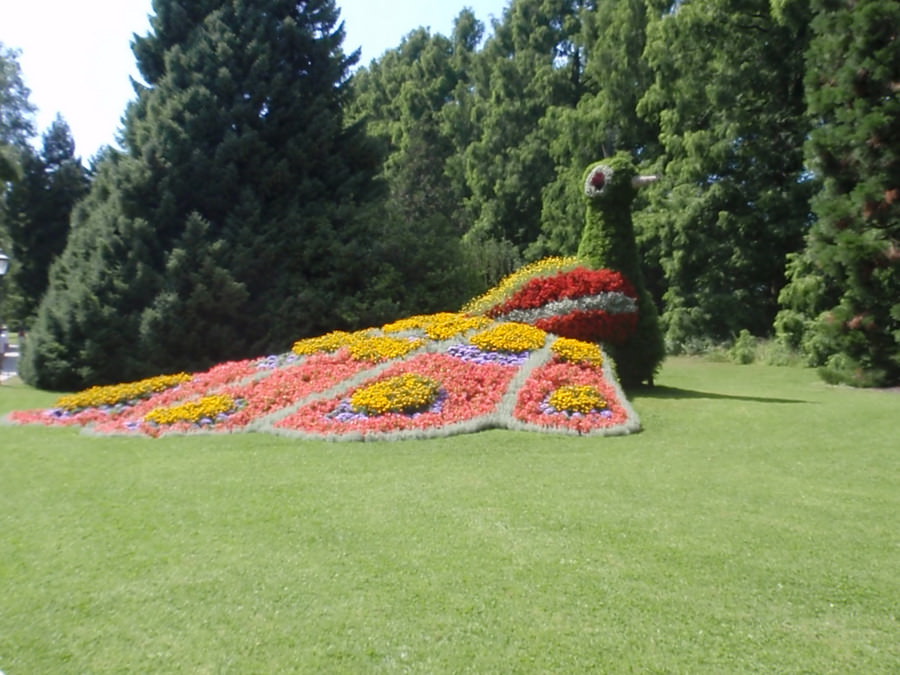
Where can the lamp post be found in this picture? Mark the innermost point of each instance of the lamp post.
(4, 268)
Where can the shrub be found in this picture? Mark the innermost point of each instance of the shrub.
(743, 351)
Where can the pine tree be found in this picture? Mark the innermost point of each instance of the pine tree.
(195, 285)
(529, 66)
(238, 125)
(16, 110)
(406, 97)
(38, 210)
(610, 75)
(86, 330)
(16, 129)
(842, 306)
(733, 200)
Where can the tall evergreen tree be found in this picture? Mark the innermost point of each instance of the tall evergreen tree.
(16, 129)
(529, 65)
(16, 110)
(842, 306)
(237, 143)
(87, 326)
(733, 199)
(196, 284)
(38, 211)
(405, 97)
(610, 74)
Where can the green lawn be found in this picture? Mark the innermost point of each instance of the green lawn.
(752, 527)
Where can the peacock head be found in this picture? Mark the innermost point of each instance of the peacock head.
(613, 180)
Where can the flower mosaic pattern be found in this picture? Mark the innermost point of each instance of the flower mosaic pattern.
(425, 376)
(580, 303)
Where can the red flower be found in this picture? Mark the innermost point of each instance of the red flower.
(576, 283)
(592, 326)
(472, 391)
(531, 408)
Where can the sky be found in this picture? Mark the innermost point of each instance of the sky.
(76, 57)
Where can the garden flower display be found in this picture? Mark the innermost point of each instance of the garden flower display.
(578, 303)
(201, 411)
(119, 394)
(405, 394)
(526, 355)
(104, 417)
(515, 281)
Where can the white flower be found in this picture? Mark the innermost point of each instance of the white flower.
(597, 180)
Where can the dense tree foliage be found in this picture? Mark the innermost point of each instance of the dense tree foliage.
(842, 307)
(530, 64)
(38, 206)
(728, 98)
(16, 113)
(238, 159)
(708, 93)
(16, 128)
(267, 193)
(404, 99)
(86, 330)
(612, 75)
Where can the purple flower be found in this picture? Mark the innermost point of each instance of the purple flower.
(473, 354)
(344, 412)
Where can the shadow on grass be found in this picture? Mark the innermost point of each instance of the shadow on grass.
(676, 393)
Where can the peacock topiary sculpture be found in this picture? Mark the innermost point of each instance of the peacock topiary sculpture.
(530, 354)
(608, 241)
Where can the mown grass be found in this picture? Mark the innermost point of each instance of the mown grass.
(752, 527)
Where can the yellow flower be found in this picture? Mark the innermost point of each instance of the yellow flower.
(577, 398)
(330, 342)
(377, 349)
(417, 322)
(509, 285)
(440, 326)
(405, 393)
(208, 407)
(446, 325)
(120, 393)
(510, 337)
(578, 351)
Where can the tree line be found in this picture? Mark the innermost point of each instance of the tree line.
(270, 187)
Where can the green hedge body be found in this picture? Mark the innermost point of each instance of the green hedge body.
(608, 241)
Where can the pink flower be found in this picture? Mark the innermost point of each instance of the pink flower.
(471, 391)
(531, 405)
(272, 391)
(310, 395)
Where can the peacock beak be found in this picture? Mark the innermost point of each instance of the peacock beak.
(641, 181)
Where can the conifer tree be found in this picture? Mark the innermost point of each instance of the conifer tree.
(197, 285)
(530, 65)
(86, 330)
(38, 210)
(611, 76)
(16, 111)
(842, 307)
(238, 125)
(733, 199)
(409, 99)
(16, 129)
